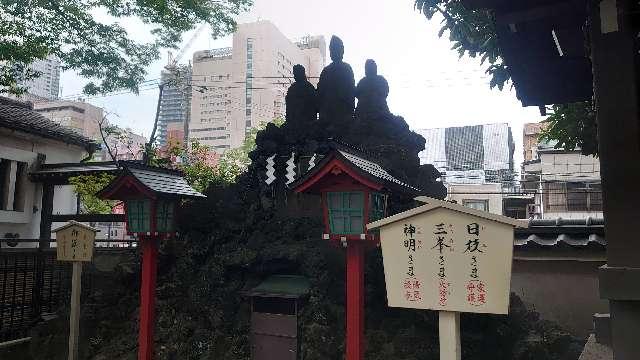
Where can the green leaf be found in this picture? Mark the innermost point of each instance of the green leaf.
(101, 51)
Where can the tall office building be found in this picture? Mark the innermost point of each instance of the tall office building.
(175, 100)
(470, 154)
(237, 88)
(47, 85)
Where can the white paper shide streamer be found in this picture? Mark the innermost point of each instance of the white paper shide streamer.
(312, 162)
(271, 170)
(291, 169)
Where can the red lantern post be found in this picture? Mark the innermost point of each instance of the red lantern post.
(151, 196)
(354, 192)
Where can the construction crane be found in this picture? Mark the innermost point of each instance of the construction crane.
(172, 62)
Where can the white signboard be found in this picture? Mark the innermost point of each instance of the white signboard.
(447, 260)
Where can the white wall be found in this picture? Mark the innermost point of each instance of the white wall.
(25, 148)
(569, 166)
(488, 191)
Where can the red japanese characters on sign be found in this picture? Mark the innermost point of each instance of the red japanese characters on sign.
(411, 285)
(447, 257)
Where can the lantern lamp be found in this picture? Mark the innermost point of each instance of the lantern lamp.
(151, 196)
(354, 191)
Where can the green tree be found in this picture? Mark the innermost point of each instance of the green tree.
(98, 49)
(236, 161)
(473, 33)
(87, 186)
(197, 168)
(572, 126)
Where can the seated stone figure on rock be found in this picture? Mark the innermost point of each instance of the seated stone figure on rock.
(302, 107)
(336, 88)
(372, 92)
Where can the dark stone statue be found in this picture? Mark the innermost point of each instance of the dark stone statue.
(372, 92)
(336, 88)
(301, 102)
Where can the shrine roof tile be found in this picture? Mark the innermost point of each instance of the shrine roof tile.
(374, 169)
(164, 182)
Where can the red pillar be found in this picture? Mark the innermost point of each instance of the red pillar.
(147, 297)
(355, 300)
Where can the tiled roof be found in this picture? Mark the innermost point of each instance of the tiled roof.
(287, 286)
(20, 116)
(162, 181)
(373, 169)
(574, 233)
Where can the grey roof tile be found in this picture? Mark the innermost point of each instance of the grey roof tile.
(374, 169)
(17, 115)
(164, 182)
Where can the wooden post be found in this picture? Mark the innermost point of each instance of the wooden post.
(615, 73)
(355, 301)
(147, 297)
(449, 330)
(46, 212)
(74, 313)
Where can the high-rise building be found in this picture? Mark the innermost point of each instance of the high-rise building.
(237, 88)
(47, 85)
(470, 154)
(175, 100)
(81, 116)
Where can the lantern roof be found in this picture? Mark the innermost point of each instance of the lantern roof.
(284, 286)
(75, 223)
(153, 182)
(358, 166)
(431, 204)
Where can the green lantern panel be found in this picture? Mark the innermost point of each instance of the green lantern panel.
(164, 216)
(139, 216)
(346, 212)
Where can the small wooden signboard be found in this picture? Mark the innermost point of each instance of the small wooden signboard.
(450, 258)
(75, 242)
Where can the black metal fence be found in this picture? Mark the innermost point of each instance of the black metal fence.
(33, 282)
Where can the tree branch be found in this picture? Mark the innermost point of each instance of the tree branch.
(104, 138)
(148, 147)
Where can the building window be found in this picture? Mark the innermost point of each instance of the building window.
(12, 185)
(572, 196)
(482, 205)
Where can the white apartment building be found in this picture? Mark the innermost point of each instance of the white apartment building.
(568, 184)
(237, 88)
(47, 85)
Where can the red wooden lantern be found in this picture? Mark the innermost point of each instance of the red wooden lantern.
(151, 196)
(354, 192)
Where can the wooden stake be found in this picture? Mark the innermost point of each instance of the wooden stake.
(449, 327)
(74, 313)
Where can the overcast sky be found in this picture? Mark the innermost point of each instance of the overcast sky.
(429, 86)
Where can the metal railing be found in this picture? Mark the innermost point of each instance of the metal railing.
(23, 299)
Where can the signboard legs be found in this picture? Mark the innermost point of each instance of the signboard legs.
(449, 330)
(74, 312)
(147, 297)
(355, 301)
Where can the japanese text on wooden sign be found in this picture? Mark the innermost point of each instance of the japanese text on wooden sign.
(75, 243)
(447, 260)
